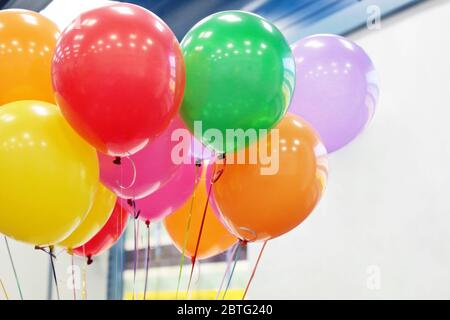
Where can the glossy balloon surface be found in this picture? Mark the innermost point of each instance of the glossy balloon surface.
(215, 237)
(258, 204)
(118, 73)
(240, 74)
(144, 172)
(95, 220)
(108, 235)
(49, 175)
(27, 42)
(171, 196)
(337, 88)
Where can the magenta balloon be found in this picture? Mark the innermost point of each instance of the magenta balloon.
(337, 88)
(171, 196)
(154, 167)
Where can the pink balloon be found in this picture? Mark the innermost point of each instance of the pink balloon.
(171, 196)
(154, 166)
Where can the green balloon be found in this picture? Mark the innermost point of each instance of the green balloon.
(240, 74)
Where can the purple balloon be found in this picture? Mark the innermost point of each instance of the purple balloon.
(336, 88)
(171, 196)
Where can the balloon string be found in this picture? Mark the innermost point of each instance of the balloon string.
(118, 256)
(135, 257)
(227, 270)
(73, 279)
(194, 258)
(118, 161)
(4, 290)
(54, 271)
(83, 282)
(241, 244)
(187, 229)
(214, 179)
(14, 268)
(147, 260)
(254, 269)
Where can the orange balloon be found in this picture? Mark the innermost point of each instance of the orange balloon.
(257, 205)
(215, 237)
(27, 41)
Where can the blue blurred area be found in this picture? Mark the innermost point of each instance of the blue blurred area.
(181, 15)
(296, 18)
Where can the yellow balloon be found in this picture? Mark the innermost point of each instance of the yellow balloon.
(27, 42)
(49, 175)
(97, 217)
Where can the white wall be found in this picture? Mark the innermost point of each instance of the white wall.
(388, 200)
(33, 271)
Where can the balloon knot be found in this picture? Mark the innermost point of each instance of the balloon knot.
(89, 260)
(49, 252)
(117, 160)
(198, 162)
(147, 223)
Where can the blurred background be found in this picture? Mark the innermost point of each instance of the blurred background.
(382, 229)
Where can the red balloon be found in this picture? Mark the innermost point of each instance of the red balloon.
(107, 236)
(119, 77)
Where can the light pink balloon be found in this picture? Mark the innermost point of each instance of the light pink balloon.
(154, 166)
(171, 196)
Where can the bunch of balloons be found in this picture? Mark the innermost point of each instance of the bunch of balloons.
(92, 120)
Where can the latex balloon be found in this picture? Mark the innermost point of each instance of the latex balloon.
(27, 41)
(118, 73)
(240, 74)
(107, 236)
(259, 205)
(49, 175)
(171, 196)
(337, 88)
(214, 239)
(95, 220)
(144, 172)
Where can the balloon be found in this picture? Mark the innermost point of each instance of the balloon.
(145, 171)
(337, 88)
(118, 73)
(171, 196)
(97, 217)
(27, 41)
(240, 74)
(49, 175)
(214, 239)
(260, 206)
(107, 236)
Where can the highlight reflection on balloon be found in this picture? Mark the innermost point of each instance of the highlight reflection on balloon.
(49, 175)
(27, 41)
(240, 74)
(118, 74)
(337, 88)
(259, 205)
